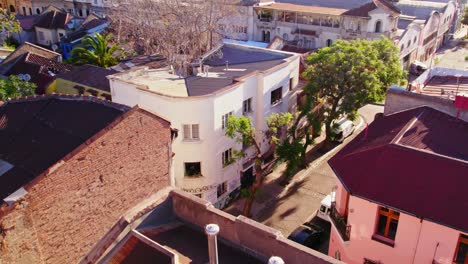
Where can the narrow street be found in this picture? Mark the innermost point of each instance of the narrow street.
(285, 208)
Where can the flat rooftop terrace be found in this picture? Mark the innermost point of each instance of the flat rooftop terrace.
(222, 68)
(191, 245)
(446, 86)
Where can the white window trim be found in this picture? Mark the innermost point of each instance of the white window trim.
(191, 138)
(250, 106)
(225, 118)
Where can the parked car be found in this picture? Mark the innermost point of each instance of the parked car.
(341, 129)
(308, 234)
(417, 68)
(325, 207)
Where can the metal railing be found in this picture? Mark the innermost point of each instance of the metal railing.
(340, 223)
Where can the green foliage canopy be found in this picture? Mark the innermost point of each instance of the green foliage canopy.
(96, 50)
(9, 22)
(351, 74)
(14, 87)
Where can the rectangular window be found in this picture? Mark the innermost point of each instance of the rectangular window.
(247, 106)
(461, 253)
(291, 87)
(276, 96)
(387, 223)
(225, 119)
(192, 169)
(222, 189)
(191, 132)
(41, 35)
(227, 157)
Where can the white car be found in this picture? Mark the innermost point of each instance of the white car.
(325, 207)
(342, 129)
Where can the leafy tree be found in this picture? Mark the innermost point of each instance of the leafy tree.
(96, 50)
(465, 17)
(14, 87)
(349, 75)
(241, 129)
(8, 22)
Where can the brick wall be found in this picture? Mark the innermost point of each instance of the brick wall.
(397, 101)
(71, 208)
(250, 235)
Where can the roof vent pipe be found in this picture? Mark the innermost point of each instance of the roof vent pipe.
(211, 231)
(275, 260)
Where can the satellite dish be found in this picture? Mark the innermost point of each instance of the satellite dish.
(54, 47)
(26, 77)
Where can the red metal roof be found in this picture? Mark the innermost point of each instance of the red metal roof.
(415, 161)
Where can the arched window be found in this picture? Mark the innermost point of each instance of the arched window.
(285, 36)
(329, 42)
(12, 9)
(38, 11)
(414, 40)
(378, 26)
(24, 11)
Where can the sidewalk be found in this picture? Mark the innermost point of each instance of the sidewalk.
(272, 192)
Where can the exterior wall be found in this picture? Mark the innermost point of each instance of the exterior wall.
(249, 235)
(70, 207)
(397, 101)
(207, 111)
(50, 36)
(346, 28)
(415, 242)
(62, 86)
(408, 44)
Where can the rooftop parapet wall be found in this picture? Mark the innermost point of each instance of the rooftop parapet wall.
(397, 101)
(252, 236)
(424, 78)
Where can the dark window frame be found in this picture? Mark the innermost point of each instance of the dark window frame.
(186, 174)
(276, 96)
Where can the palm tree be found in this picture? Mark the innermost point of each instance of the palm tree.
(95, 50)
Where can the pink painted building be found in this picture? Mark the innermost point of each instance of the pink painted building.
(402, 191)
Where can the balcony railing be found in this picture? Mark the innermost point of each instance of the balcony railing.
(340, 223)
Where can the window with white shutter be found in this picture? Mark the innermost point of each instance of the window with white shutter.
(191, 131)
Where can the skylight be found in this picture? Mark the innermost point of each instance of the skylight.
(4, 167)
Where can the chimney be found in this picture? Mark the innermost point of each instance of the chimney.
(211, 231)
(275, 260)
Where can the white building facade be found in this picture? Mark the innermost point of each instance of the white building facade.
(199, 106)
(315, 25)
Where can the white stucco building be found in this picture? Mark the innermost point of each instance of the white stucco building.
(310, 25)
(233, 80)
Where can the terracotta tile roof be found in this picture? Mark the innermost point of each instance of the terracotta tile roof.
(89, 75)
(28, 22)
(42, 130)
(53, 20)
(414, 161)
(25, 48)
(80, 198)
(304, 8)
(38, 67)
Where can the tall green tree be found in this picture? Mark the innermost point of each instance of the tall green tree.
(341, 79)
(465, 16)
(242, 130)
(97, 50)
(9, 22)
(349, 75)
(14, 87)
